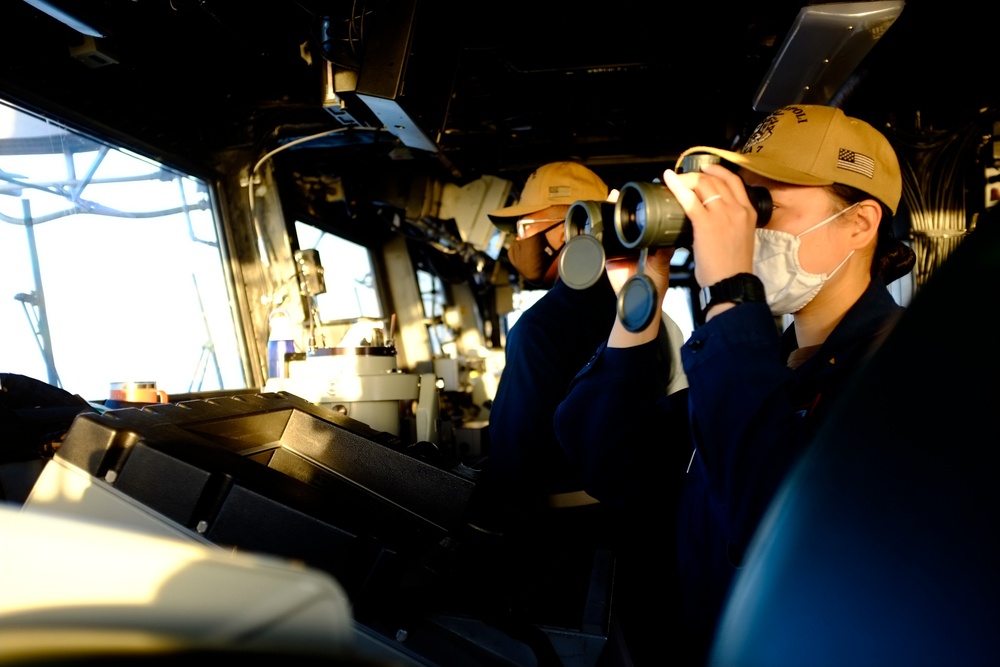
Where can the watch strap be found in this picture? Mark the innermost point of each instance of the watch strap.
(741, 288)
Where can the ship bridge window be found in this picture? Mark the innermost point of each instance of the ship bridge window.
(435, 301)
(110, 267)
(348, 273)
(676, 304)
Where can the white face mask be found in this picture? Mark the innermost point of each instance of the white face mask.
(776, 262)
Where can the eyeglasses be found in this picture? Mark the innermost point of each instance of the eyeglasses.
(530, 226)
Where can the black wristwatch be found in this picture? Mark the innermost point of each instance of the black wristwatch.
(741, 288)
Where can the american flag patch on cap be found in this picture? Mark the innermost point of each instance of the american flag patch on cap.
(856, 162)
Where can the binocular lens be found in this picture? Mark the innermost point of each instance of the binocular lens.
(647, 215)
(591, 240)
(582, 218)
(634, 223)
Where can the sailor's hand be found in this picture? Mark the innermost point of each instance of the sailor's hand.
(722, 220)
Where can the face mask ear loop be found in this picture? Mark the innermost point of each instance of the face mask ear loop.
(823, 222)
(830, 275)
(551, 227)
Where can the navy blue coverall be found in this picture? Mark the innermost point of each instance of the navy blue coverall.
(705, 462)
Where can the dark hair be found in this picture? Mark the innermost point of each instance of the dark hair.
(892, 258)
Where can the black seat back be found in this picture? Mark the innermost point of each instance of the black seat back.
(883, 545)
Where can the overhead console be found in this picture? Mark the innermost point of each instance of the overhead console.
(403, 79)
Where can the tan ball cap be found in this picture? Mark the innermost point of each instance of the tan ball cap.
(818, 145)
(549, 185)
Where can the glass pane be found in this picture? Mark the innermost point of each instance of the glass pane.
(676, 304)
(522, 301)
(351, 289)
(110, 267)
(435, 302)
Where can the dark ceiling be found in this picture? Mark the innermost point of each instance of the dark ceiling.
(502, 87)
